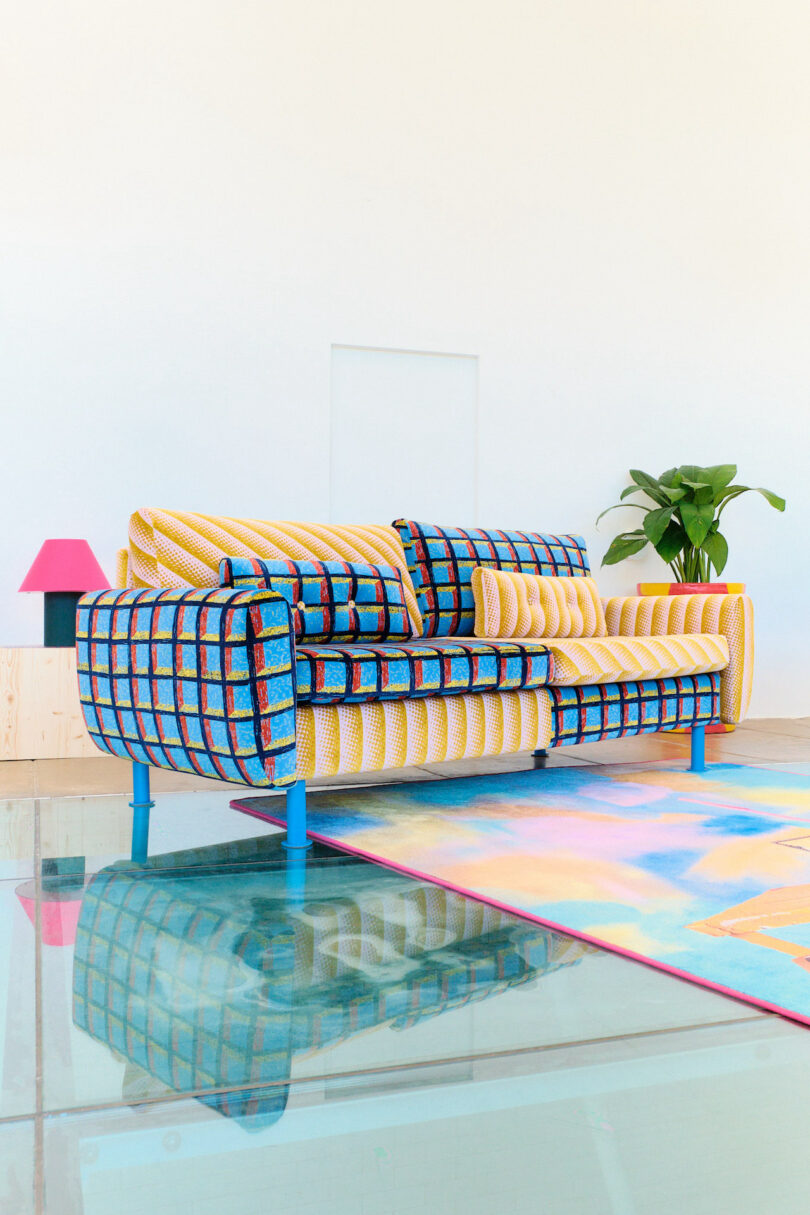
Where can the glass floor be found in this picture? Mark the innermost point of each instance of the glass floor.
(201, 1035)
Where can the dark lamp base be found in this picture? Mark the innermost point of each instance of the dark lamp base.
(60, 617)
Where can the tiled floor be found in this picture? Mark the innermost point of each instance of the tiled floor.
(203, 1039)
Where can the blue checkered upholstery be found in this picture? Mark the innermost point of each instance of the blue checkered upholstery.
(441, 561)
(196, 680)
(441, 667)
(331, 601)
(613, 710)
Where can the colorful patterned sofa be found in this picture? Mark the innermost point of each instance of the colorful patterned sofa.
(197, 971)
(199, 668)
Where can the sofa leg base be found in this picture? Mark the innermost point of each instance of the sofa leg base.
(296, 844)
(540, 756)
(698, 758)
(296, 841)
(141, 805)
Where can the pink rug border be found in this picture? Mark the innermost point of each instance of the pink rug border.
(722, 990)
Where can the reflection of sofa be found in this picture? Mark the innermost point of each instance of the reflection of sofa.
(212, 680)
(205, 978)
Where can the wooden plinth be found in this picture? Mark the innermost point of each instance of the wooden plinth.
(40, 717)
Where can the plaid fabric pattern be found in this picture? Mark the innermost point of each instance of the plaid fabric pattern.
(441, 561)
(217, 982)
(612, 710)
(199, 680)
(341, 601)
(442, 667)
(159, 976)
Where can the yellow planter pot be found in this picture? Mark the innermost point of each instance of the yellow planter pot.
(690, 588)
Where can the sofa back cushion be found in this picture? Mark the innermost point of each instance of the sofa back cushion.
(331, 601)
(531, 605)
(441, 561)
(179, 548)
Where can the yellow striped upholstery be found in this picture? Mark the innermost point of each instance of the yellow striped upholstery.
(177, 548)
(618, 659)
(339, 738)
(509, 604)
(732, 616)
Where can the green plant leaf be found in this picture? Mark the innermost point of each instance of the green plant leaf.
(674, 493)
(655, 524)
(720, 475)
(716, 548)
(649, 485)
(697, 519)
(631, 489)
(672, 542)
(624, 545)
(734, 491)
(776, 502)
(694, 475)
(670, 479)
(727, 492)
(622, 506)
(696, 485)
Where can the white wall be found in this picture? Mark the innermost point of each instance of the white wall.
(395, 410)
(605, 201)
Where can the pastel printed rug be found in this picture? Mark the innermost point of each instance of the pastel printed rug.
(703, 875)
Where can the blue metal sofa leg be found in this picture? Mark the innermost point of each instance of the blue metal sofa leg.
(141, 805)
(297, 844)
(296, 840)
(698, 736)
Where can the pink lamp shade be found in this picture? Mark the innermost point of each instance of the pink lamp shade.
(65, 565)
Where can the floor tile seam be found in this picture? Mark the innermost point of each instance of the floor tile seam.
(15, 1119)
(172, 1098)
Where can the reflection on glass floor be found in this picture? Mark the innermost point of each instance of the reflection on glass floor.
(215, 979)
(211, 1039)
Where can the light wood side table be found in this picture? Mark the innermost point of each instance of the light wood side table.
(40, 716)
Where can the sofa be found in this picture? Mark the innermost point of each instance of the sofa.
(197, 664)
(197, 971)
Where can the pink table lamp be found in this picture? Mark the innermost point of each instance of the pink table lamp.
(63, 570)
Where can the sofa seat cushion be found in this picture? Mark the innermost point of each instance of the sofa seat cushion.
(327, 674)
(594, 660)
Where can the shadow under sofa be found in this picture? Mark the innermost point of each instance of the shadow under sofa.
(197, 667)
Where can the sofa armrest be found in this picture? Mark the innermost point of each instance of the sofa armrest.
(199, 681)
(732, 616)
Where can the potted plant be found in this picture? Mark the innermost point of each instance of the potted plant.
(683, 525)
